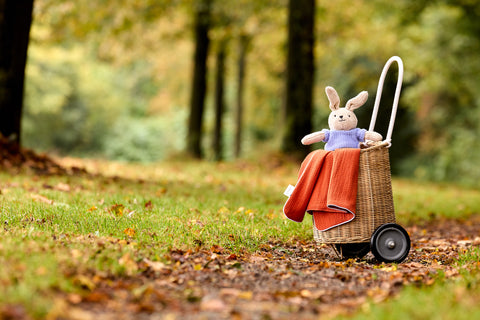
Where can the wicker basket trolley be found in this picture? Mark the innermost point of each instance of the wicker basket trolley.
(374, 228)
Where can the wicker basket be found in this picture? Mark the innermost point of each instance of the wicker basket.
(374, 191)
(374, 200)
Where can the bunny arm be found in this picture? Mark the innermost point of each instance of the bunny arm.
(372, 136)
(313, 137)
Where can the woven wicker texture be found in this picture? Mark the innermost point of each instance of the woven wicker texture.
(374, 200)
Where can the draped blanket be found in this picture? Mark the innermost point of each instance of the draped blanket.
(326, 188)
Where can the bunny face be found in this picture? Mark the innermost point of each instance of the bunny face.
(342, 119)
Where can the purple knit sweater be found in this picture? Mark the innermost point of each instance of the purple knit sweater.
(343, 139)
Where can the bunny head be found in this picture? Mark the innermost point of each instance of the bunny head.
(344, 118)
(343, 131)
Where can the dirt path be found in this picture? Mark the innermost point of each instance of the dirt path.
(282, 279)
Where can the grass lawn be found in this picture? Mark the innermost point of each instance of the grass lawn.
(452, 299)
(56, 229)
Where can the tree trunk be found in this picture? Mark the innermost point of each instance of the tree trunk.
(242, 55)
(300, 72)
(15, 22)
(199, 82)
(219, 101)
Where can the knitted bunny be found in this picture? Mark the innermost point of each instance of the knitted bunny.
(343, 131)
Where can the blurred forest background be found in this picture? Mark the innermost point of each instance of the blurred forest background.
(113, 78)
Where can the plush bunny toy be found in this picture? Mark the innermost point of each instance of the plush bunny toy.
(343, 131)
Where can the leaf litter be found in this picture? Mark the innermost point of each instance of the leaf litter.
(300, 278)
(16, 159)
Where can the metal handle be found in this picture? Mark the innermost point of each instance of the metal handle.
(395, 100)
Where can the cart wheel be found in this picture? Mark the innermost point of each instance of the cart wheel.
(390, 243)
(353, 250)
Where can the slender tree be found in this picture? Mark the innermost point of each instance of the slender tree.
(219, 100)
(199, 81)
(241, 69)
(300, 72)
(15, 22)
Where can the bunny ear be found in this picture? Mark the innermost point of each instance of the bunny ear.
(332, 98)
(357, 102)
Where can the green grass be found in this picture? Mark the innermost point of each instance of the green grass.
(453, 299)
(180, 206)
(421, 201)
(58, 232)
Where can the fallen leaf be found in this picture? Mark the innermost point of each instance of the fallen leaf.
(97, 297)
(390, 268)
(161, 191)
(223, 210)
(196, 222)
(117, 209)
(155, 265)
(306, 293)
(212, 304)
(245, 295)
(129, 232)
(229, 292)
(249, 212)
(13, 312)
(74, 298)
(62, 187)
(129, 264)
(37, 197)
(217, 249)
(149, 205)
(41, 271)
(84, 282)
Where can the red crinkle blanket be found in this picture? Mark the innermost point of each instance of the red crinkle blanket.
(326, 188)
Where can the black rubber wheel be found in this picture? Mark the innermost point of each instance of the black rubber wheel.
(390, 243)
(353, 250)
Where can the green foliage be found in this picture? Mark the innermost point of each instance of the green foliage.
(443, 45)
(77, 105)
(145, 140)
(69, 104)
(436, 129)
